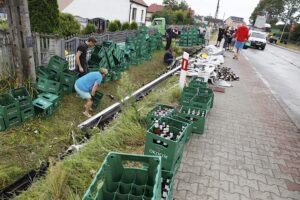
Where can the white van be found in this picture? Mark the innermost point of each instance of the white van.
(257, 39)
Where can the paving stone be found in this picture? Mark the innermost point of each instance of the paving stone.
(259, 177)
(191, 169)
(243, 190)
(219, 184)
(255, 194)
(268, 188)
(199, 179)
(228, 196)
(211, 173)
(182, 185)
(179, 195)
(184, 176)
(276, 181)
(239, 172)
(264, 171)
(228, 177)
(279, 174)
(293, 186)
(247, 182)
(289, 194)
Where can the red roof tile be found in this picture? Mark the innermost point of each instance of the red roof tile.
(155, 8)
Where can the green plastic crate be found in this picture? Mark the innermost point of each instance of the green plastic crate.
(69, 77)
(58, 64)
(52, 98)
(22, 96)
(151, 115)
(46, 85)
(171, 176)
(12, 120)
(27, 113)
(188, 122)
(198, 121)
(116, 76)
(43, 107)
(67, 89)
(2, 124)
(97, 99)
(44, 72)
(169, 150)
(9, 107)
(202, 102)
(207, 92)
(116, 179)
(198, 84)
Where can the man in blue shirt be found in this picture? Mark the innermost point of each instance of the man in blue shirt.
(87, 85)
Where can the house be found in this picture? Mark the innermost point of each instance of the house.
(233, 21)
(213, 21)
(83, 21)
(3, 15)
(123, 10)
(153, 8)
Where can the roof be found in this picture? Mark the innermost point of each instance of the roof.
(140, 2)
(236, 19)
(213, 20)
(155, 8)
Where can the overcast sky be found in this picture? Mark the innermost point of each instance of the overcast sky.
(238, 8)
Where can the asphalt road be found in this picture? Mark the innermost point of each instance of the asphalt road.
(280, 69)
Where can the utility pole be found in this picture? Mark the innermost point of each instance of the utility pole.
(217, 10)
(21, 38)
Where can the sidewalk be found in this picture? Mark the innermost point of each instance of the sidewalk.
(250, 148)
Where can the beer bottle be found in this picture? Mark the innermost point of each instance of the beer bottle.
(156, 129)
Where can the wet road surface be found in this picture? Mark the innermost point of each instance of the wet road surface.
(280, 70)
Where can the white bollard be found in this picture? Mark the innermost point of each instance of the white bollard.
(184, 68)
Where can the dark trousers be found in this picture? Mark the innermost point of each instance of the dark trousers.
(168, 45)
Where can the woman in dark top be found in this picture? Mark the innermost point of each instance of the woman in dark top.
(226, 37)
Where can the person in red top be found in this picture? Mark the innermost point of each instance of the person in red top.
(241, 35)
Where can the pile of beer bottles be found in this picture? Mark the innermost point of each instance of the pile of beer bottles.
(169, 129)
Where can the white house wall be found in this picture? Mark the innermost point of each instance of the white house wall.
(107, 9)
(138, 13)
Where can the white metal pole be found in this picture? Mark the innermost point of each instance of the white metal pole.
(184, 68)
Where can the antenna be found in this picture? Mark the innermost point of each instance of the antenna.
(217, 10)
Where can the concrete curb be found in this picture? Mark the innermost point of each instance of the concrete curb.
(291, 50)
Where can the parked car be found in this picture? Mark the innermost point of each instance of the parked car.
(257, 39)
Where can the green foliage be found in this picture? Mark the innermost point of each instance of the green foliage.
(113, 26)
(3, 25)
(44, 16)
(68, 25)
(174, 16)
(90, 28)
(119, 24)
(295, 34)
(173, 4)
(133, 26)
(125, 26)
(183, 5)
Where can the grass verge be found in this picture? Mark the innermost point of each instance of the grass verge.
(69, 179)
(290, 46)
(24, 147)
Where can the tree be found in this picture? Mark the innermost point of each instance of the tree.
(183, 5)
(133, 26)
(125, 26)
(44, 15)
(271, 8)
(291, 11)
(173, 4)
(90, 28)
(295, 34)
(68, 25)
(179, 16)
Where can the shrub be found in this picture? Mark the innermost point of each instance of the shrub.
(133, 26)
(90, 28)
(113, 26)
(125, 26)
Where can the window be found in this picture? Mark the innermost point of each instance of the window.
(142, 16)
(133, 14)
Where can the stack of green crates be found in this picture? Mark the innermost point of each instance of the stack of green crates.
(47, 85)
(151, 116)
(190, 38)
(9, 111)
(170, 150)
(67, 80)
(117, 180)
(57, 65)
(25, 102)
(52, 98)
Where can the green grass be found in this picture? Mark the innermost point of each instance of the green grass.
(69, 179)
(24, 147)
(289, 46)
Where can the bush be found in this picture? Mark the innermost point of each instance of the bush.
(126, 26)
(90, 28)
(119, 24)
(3, 25)
(295, 35)
(113, 26)
(133, 26)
